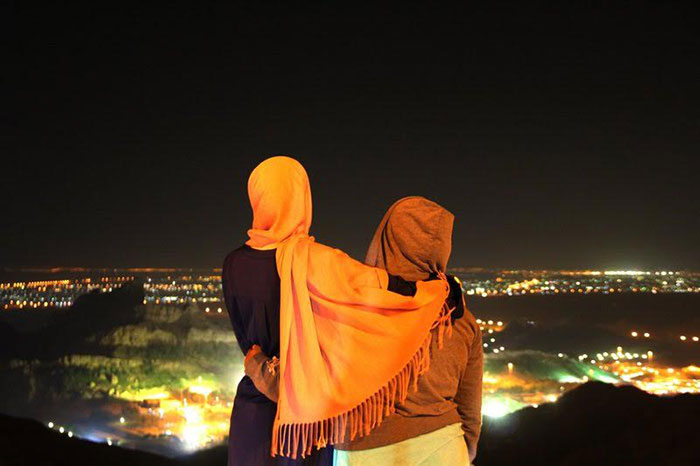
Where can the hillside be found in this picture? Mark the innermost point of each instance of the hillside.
(593, 424)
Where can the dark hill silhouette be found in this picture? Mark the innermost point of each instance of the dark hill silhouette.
(67, 330)
(576, 338)
(578, 324)
(8, 338)
(597, 424)
(594, 424)
(25, 442)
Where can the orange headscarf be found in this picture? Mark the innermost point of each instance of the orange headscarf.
(349, 349)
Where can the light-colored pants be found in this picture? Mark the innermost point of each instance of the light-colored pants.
(443, 447)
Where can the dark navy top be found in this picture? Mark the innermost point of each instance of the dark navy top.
(251, 287)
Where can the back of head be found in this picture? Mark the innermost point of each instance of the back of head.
(413, 240)
(280, 196)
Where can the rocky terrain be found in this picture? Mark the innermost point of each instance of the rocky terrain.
(88, 365)
(594, 424)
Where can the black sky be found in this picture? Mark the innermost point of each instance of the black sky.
(558, 136)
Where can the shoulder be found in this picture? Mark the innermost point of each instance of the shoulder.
(322, 249)
(231, 257)
(467, 326)
(322, 254)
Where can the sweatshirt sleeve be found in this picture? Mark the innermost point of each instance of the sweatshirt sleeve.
(468, 396)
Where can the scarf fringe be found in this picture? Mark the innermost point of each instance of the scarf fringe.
(292, 440)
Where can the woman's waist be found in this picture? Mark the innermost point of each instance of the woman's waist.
(246, 392)
(399, 427)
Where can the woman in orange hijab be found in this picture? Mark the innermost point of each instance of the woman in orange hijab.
(440, 422)
(330, 319)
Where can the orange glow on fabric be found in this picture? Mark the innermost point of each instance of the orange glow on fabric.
(280, 196)
(349, 349)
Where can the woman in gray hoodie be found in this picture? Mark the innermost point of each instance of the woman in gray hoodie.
(439, 422)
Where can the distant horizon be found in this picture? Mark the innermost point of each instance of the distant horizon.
(139, 269)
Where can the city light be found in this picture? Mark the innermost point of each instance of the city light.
(494, 408)
(169, 286)
(195, 410)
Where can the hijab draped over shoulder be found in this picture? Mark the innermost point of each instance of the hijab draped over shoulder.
(349, 349)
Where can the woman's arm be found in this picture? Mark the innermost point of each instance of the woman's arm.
(399, 285)
(468, 397)
(263, 371)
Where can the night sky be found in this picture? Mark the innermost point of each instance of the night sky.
(558, 136)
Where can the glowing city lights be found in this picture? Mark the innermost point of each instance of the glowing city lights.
(494, 408)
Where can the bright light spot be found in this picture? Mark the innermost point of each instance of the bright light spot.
(499, 323)
(494, 408)
(70, 434)
(200, 389)
(696, 338)
(634, 334)
(570, 379)
(50, 425)
(683, 338)
(61, 429)
(122, 420)
(551, 398)
(109, 442)
(646, 335)
(219, 310)
(192, 414)
(561, 355)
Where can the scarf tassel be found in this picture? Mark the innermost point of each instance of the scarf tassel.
(292, 440)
